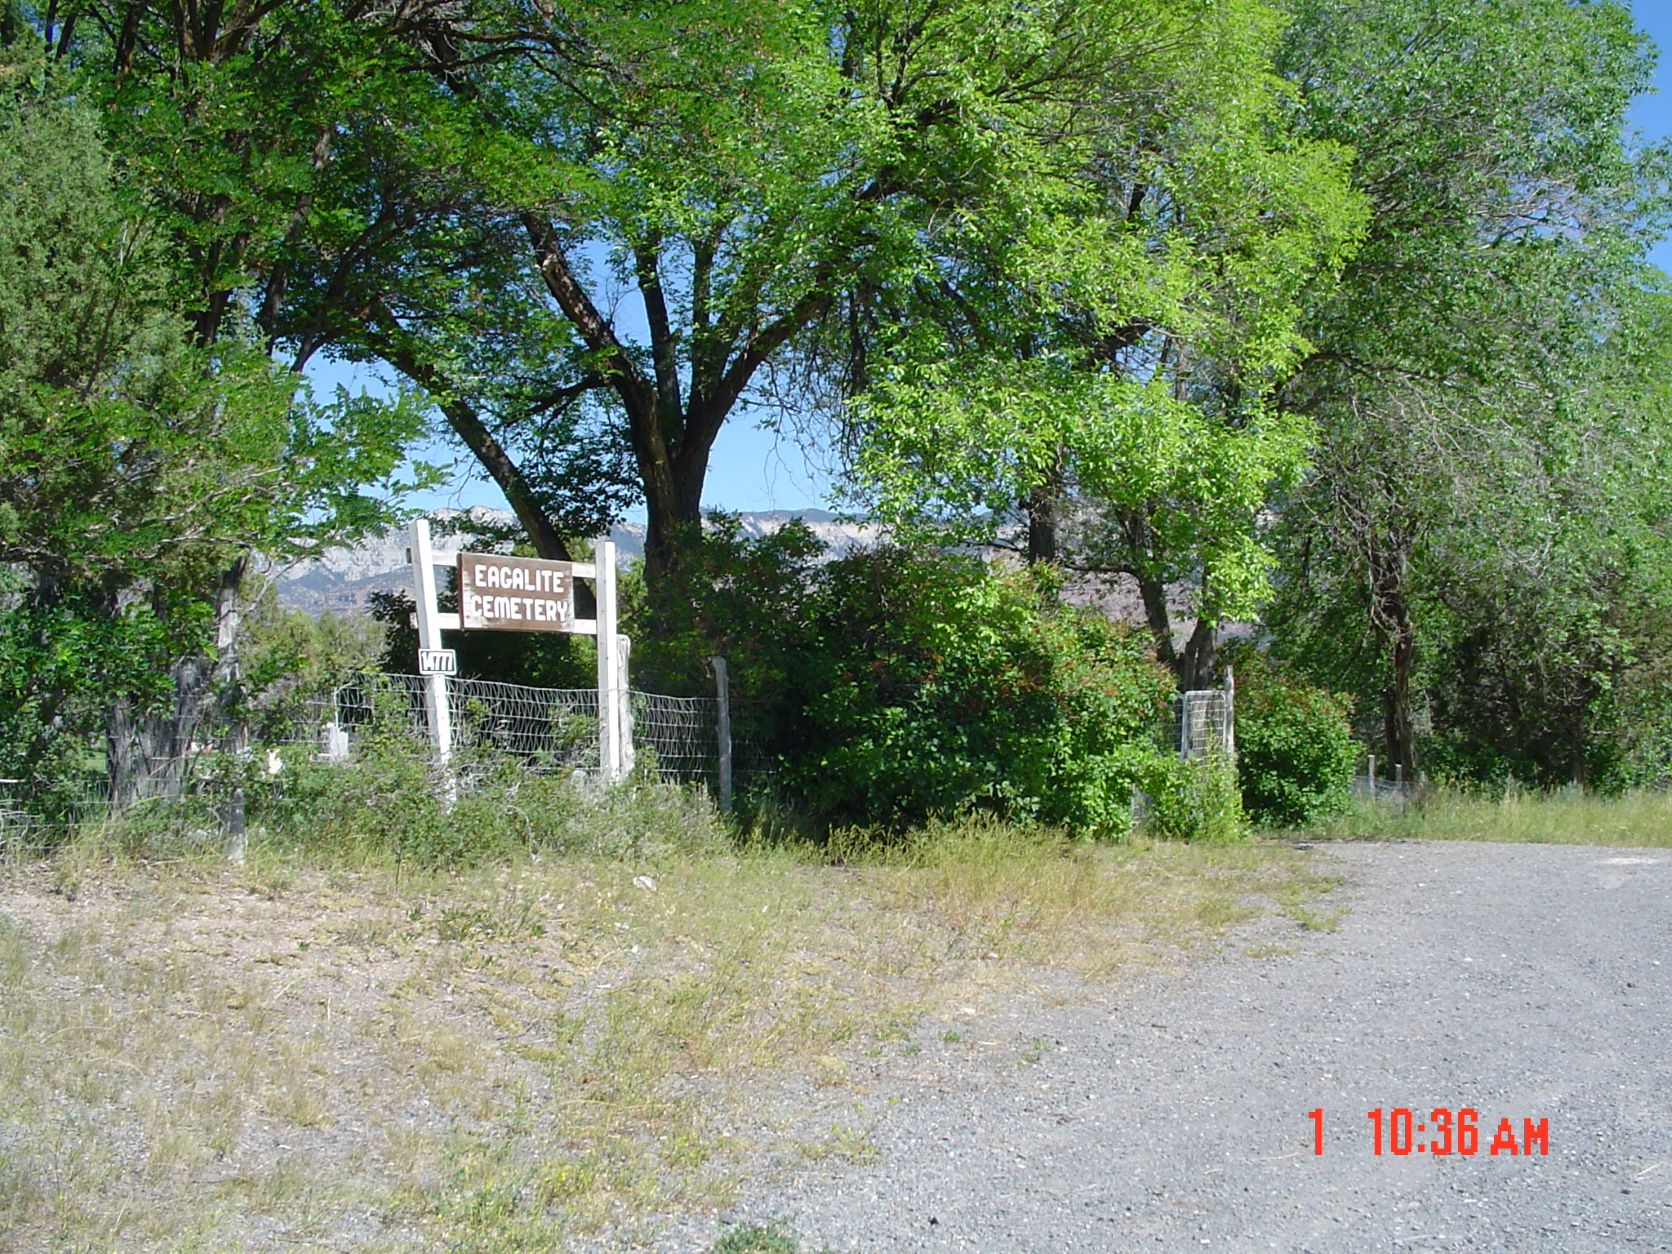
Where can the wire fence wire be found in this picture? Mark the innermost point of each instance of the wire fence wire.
(1397, 792)
(550, 727)
(675, 739)
(1201, 723)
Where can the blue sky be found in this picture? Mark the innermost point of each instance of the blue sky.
(754, 469)
(1652, 115)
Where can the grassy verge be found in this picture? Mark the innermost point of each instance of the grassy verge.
(309, 1049)
(1640, 820)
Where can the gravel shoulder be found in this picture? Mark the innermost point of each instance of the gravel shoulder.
(1525, 981)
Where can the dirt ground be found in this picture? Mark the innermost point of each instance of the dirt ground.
(1527, 983)
(279, 1057)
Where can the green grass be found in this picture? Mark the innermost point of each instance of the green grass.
(1635, 820)
(773, 1238)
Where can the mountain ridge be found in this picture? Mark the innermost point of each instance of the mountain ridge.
(341, 578)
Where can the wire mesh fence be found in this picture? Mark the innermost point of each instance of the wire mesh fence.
(1397, 791)
(33, 824)
(678, 738)
(551, 727)
(675, 739)
(1201, 723)
(21, 831)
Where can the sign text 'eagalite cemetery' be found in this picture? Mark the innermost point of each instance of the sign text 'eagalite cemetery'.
(515, 593)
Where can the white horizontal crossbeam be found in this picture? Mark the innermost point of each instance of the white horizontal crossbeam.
(580, 627)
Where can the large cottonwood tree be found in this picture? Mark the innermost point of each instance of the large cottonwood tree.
(1098, 368)
(1462, 355)
(662, 215)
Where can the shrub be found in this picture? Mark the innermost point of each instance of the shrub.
(936, 684)
(386, 806)
(743, 598)
(1195, 800)
(1295, 747)
(893, 686)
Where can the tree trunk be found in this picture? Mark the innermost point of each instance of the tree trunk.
(149, 755)
(226, 677)
(1043, 518)
(1044, 510)
(1159, 618)
(674, 506)
(121, 779)
(666, 527)
(1198, 665)
(1398, 698)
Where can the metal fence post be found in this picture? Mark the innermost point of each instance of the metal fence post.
(722, 694)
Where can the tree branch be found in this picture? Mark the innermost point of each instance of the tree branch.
(395, 346)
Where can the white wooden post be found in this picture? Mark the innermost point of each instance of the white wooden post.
(609, 664)
(722, 693)
(436, 703)
(1230, 713)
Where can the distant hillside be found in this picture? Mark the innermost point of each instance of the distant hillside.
(342, 578)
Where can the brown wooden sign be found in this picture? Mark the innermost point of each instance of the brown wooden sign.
(515, 593)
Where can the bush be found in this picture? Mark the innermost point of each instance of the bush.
(743, 598)
(1295, 747)
(1195, 800)
(893, 686)
(936, 684)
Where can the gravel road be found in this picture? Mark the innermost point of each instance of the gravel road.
(1527, 982)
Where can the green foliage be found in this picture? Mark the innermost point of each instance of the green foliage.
(936, 684)
(1194, 799)
(1478, 554)
(1108, 345)
(1295, 748)
(893, 685)
(1202, 273)
(741, 598)
(140, 463)
(290, 657)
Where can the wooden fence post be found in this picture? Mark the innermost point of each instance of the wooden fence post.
(1230, 714)
(609, 664)
(437, 704)
(722, 694)
(624, 702)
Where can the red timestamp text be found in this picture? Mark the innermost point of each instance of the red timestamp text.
(1445, 1130)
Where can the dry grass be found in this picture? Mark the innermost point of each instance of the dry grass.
(1636, 820)
(198, 1057)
